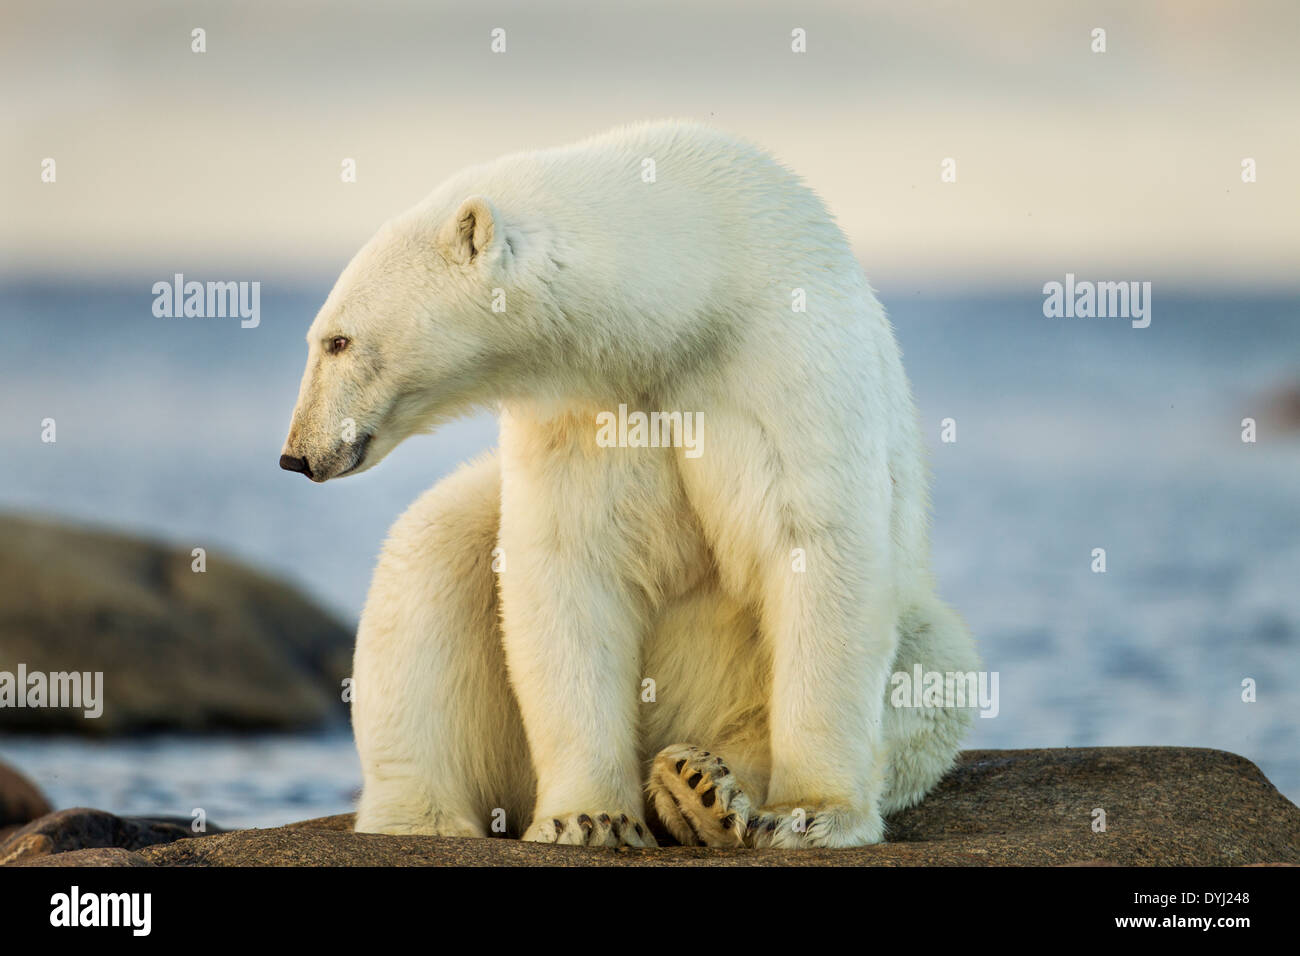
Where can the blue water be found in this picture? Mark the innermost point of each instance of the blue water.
(1072, 434)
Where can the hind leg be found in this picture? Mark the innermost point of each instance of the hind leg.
(439, 733)
(712, 794)
(698, 799)
(712, 678)
(707, 734)
(922, 743)
(701, 800)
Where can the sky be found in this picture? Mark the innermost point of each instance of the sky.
(1124, 164)
(1117, 166)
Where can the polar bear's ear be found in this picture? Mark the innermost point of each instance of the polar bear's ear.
(468, 233)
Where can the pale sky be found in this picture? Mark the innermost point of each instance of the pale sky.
(1123, 164)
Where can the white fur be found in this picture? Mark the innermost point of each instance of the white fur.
(521, 690)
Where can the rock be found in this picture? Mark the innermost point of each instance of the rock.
(340, 821)
(83, 829)
(1282, 407)
(1167, 806)
(227, 649)
(104, 856)
(20, 801)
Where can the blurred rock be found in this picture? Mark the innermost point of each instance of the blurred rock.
(1165, 806)
(227, 649)
(85, 829)
(1282, 407)
(20, 801)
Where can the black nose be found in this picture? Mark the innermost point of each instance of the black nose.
(289, 463)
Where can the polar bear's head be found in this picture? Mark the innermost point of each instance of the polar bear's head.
(401, 342)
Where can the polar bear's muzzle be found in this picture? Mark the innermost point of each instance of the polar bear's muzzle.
(355, 460)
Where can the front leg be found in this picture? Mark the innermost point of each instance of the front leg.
(832, 634)
(573, 628)
(808, 544)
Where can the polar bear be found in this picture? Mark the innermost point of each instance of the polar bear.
(580, 643)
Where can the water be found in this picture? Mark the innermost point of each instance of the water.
(1072, 434)
(257, 781)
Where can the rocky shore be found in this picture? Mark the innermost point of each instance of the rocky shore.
(182, 646)
(1161, 806)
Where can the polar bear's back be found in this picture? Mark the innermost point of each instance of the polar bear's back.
(621, 168)
(628, 207)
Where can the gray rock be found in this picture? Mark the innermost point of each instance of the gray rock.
(84, 829)
(227, 649)
(20, 801)
(1166, 806)
(105, 856)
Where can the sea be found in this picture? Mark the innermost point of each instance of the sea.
(1054, 443)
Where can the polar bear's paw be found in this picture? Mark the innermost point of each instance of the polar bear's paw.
(591, 829)
(700, 801)
(794, 827)
(698, 798)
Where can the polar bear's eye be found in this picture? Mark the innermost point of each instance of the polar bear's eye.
(337, 344)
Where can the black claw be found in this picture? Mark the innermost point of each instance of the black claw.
(639, 830)
(559, 826)
(770, 826)
(708, 797)
(584, 821)
(695, 780)
(604, 818)
(680, 764)
(728, 821)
